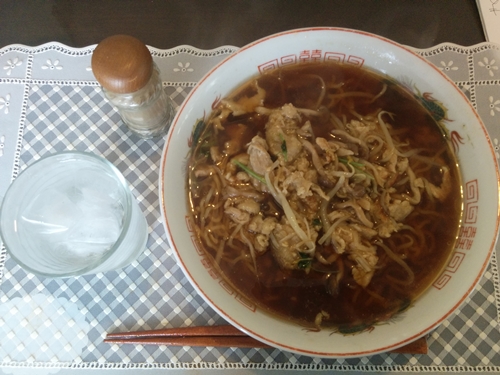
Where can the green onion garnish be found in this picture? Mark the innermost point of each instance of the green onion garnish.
(304, 262)
(283, 147)
(356, 165)
(350, 162)
(250, 171)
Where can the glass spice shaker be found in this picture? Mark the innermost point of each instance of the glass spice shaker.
(131, 81)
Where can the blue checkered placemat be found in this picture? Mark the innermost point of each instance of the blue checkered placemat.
(49, 101)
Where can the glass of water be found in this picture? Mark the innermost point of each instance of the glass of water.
(70, 214)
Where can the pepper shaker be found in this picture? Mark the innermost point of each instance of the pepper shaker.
(131, 81)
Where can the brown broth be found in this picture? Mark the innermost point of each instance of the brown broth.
(299, 297)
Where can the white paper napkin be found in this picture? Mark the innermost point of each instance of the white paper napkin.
(489, 11)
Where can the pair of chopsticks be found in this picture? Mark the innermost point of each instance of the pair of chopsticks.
(217, 336)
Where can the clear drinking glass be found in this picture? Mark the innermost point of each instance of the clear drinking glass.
(70, 214)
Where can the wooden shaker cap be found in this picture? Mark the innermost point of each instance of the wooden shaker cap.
(122, 64)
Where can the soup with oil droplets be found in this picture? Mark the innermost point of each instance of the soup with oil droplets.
(325, 193)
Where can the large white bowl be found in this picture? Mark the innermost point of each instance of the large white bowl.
(477, 164)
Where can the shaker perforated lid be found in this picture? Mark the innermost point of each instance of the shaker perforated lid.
(122, 64)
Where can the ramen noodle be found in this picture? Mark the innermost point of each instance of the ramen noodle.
(325, 193)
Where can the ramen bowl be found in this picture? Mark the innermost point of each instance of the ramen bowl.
(479, 225)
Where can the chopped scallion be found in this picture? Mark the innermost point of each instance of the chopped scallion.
(356, 165)
(350, 162)
(250, 171)
(304, 262)
(283, 147)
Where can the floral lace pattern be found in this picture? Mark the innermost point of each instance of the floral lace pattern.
(476, 70)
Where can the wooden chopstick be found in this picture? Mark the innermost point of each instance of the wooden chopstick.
(217, 336)
(204, 341)
(419, 346)
(202, 331)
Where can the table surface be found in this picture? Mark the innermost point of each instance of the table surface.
(209, 24)
(212, 24)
